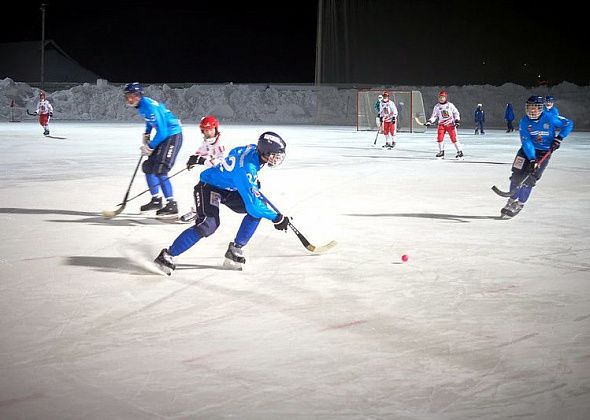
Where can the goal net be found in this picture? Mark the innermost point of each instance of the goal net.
(409, 107)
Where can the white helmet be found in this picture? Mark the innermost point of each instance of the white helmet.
(380, 97)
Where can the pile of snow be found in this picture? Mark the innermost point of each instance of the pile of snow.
(277, 104)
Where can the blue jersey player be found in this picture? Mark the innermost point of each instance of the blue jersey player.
(161, 149)
(234, 183)
(550, 105)
(538, 137)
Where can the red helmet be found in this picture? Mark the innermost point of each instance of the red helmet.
(443, 94)
(385, 93)
(42, 95)
(209, 122)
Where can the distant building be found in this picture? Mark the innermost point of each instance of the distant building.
(21, 62)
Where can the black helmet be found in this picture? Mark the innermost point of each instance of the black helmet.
(271, 147)
(534, 107)
(134, 87)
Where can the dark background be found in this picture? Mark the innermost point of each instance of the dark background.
(363, 42)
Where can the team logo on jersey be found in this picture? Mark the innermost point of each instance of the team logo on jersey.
(546, 126)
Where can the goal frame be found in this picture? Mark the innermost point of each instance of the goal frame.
(409, 103)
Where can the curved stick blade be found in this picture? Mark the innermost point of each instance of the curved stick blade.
(109, 214)
(502, 193)
(321, 248)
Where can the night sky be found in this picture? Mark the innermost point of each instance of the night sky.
(455, 42)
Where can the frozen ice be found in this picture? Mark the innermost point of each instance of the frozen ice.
(487, 319)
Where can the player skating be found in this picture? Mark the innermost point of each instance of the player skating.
(210, 152)
(44, 111)
(233, 183)
(538, 137)
(161, 150)
(388, 114)
(448, 120)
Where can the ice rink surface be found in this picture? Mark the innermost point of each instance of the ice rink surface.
(488, 319)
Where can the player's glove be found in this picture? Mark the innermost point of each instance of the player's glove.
(427, 123)
(281, 222)
(145, 138)
(556, 143)
(145, 150)
(457, 123)
(51, 114)
(392, 119)
(194, 160)
(533, 165)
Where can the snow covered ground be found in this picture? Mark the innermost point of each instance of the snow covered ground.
(487, 319)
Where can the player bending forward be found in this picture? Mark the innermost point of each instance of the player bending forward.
(537, 135)
(448, 120)
(210, 153)
(233, 183)
(388, 114)
(45, 112)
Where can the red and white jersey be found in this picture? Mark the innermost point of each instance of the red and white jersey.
(387, 110)
(44, 107)
(214, 153)
(446, 114)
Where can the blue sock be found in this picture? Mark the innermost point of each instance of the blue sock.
(184, 241)
(153, 183)
(246, 230)
(166, 186)
(523, 194)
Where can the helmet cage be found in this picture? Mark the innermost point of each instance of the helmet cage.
(534, 107)
(207, 123)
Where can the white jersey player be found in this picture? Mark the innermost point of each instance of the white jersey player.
(448, 119)
(388, 114)
(45, 112)
(210, 153)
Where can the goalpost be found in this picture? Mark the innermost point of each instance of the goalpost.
(409, 107)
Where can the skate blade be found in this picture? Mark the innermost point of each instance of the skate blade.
(232, 265)
(162, 269)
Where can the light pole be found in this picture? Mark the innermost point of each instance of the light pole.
(42, 45)
(318, 45)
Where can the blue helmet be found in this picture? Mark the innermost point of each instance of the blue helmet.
(549, 98)
(134, 87)
(534, 107)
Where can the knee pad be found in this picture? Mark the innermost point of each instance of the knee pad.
(206, 227)
(147, 167)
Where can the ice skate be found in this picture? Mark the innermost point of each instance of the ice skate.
(171, 209)
(189, 216)
(459, 155)
(440, 155)
(46, 132)
(165, 262)
(512, 208)
(155, 204)
(234, 257)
